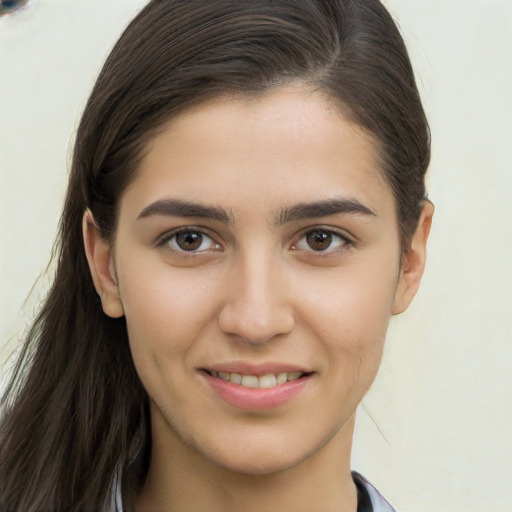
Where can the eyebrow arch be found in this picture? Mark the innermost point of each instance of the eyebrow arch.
(322, 208)
(181, 208)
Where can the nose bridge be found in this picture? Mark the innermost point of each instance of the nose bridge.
(256, 307)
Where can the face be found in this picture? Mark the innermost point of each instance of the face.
(257, 259)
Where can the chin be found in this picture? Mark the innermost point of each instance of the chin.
(261, 464)
(261, 456)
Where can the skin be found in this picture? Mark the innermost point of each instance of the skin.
(256, 291)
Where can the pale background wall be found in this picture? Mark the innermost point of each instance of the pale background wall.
(442, 403)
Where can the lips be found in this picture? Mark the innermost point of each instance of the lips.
(257, 387)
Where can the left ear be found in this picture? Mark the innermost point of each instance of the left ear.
(413, 262)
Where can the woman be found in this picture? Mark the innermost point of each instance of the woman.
(246, 209)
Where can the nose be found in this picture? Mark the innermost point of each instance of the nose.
(256, 308)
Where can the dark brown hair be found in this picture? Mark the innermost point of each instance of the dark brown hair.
(75, 409)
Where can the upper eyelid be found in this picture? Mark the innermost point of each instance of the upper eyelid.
(166, 235)
(164, 239)
(342, 233)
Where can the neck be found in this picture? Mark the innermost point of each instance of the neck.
(181, 479)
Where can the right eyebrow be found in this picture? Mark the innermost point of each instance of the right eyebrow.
(181, 208)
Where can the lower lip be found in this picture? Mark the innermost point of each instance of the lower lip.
(254, 399)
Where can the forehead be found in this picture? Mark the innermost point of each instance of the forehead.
(288, 146)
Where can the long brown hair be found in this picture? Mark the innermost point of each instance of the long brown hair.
(75, 410)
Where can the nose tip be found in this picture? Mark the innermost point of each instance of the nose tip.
(256, 324)
(256, 309)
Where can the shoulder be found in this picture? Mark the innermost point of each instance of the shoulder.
(378, 502)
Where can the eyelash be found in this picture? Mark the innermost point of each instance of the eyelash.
(168, 238)
(343, 242)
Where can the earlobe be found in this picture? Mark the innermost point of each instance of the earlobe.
(413, 263)
(101, 264)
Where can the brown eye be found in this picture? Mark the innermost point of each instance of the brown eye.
(192, 241)
(189, 240)
(319, 240)
(323, 241)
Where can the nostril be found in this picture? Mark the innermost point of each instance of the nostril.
(9, 6)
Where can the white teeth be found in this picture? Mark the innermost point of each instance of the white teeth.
(282, 378)
(250, 381)
(236, 378)
(268, 381)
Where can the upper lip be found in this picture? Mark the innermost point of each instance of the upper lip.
(255, 369)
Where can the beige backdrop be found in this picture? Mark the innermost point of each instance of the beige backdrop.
(434, 432)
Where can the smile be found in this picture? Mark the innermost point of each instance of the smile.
(268, 381)
(257, 392)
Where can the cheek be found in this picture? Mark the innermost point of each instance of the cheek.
(165, 311)
(355, 299)
(350, 311)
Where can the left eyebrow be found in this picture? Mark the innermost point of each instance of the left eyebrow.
(322, 208)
